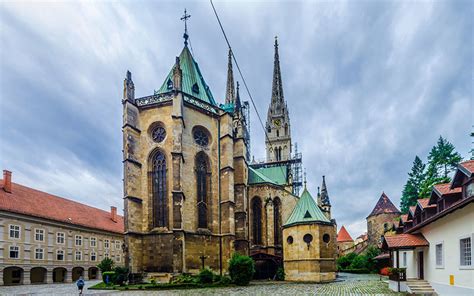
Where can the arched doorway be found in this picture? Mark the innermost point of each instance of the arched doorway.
(93, 273)
(77, 272)
(59, 275)
(38, 275)
(13, 275)
(266, 265)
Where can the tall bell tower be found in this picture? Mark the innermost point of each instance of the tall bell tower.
(278, 143)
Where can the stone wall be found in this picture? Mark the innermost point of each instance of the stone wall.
(377, 225)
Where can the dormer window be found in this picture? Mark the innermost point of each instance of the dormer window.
(169, 84)
(195, 88)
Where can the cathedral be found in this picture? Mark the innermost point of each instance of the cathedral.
(193, 196)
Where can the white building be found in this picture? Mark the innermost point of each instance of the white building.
(436, 246)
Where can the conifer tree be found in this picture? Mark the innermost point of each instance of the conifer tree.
(444, 158)
(411, 190)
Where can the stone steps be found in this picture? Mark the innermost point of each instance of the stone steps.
(420, 287)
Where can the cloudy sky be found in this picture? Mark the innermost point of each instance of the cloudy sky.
(369, 85)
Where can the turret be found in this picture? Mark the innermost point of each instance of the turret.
(325, 203)
(128, 88)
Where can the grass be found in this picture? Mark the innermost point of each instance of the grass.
(150, 286)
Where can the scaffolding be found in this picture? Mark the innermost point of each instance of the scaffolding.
(246, 113)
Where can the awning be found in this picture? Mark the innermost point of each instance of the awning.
(404, 241)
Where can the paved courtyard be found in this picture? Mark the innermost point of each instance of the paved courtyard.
(348, 284)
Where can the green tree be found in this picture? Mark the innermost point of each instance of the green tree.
(444, 158)
(431, 178)
(411, 190)
(106, 264)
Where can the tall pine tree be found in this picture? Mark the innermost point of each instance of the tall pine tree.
(411, 190)
(444, 158)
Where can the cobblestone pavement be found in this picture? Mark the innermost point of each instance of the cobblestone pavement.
(347, 284)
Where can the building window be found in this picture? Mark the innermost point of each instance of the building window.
(60, 238)
(39, 254)
(78, 256)
(78, 240)
(14, 252)
(14, 231)
(158, 134)
(39, 235)
(200, 137)
(158, 180)
(201, 175)
(117, 258)
(289, 240)
(439, 255)
(257, 221)
(326, 238)
(93, 256)
(93, 242)
(60, 255)
(470, 190)
(277, 221)
(466, 251)
(404, 260)
(118, 245)
(106, 255)
(106, 243)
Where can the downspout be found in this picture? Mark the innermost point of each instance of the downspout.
(219, 190)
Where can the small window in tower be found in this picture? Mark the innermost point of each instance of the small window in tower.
(289, 240)
(278, 132)
(169, 84)
(307, 238)
(195, 88)
(201, 137)
(307, 215)
(158, 134)
(326, 238)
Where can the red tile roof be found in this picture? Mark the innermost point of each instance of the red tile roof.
(424, 203)
(404, 218)
(383, 206)
(344, 236)
(444, 189)
(412, 209)
(405, 240)
(28, 201)
(468, 165)
(382, 256)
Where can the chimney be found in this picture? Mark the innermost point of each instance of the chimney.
(113, 213)
(7, 181)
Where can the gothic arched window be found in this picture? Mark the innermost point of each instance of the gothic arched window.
(158, 179)
(257, 221)
(201, 181)
(277, 221)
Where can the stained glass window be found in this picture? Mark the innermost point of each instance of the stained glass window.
(257, 221)
(158, 134)
(201, 137)
(160, 204)
(277, 221)
(201, 174)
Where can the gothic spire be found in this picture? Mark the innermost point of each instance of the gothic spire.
(230, 93)
(324, 193)
(277, 87)
(238, 104)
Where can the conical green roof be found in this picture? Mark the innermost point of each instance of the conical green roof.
(193, 83)
(306, 211)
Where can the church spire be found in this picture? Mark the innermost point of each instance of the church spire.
(277, 87)
(230, 92)
(185, 19)
(324, 193)
(238, 103)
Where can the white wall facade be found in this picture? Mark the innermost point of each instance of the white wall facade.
(448, 231)
(409, 264)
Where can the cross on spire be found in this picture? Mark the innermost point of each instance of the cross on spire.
(185, 19)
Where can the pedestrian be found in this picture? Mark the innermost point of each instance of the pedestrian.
(80, 284)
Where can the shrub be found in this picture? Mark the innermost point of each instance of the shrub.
(385, 271)
(121, 274)
(356, 270)
(241, 269)
(206, 276)
(359, 262)
(280, 274)
(225, 280)
(108, 277)
(343, 262)
(185, 279)
(106, 264)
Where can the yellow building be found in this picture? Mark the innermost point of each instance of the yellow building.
(309, 246)
(49, 239)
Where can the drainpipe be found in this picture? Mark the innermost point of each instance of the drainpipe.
(219, 190)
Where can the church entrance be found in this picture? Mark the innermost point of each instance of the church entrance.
(266, 266)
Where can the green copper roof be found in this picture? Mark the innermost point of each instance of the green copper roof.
(193, 83)
(229, 107)
(276, 175)
(306, 210)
